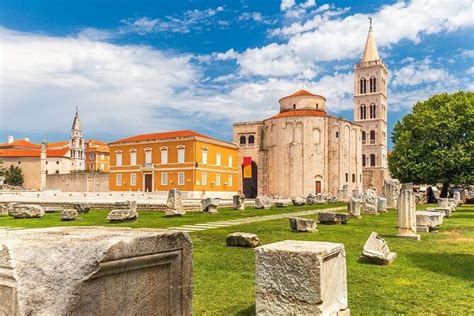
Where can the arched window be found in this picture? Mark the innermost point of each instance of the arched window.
(372, 160)
(243, 140)
(251, 139)
(363, 160)
(363, 86)
(363, 112)
(294, 106)
(373, 111)
(364, 137)
(373, 84)
(372, 137)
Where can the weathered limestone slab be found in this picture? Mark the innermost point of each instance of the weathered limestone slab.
(95, 271)
(300, 224)
(298, 201)
(333, 218)
(311, 199)
(353, 207)
(173, 212)
(369, 202)
(431, 220)
(122, 215)
(246, 240)
(82, 208)
(381, 204)
(174, 204)
(406, 215)
(69, 215)
(391, 189)
(301, 278)
(263, 202)
(457, 197)
(280, 203)
(53, 209)
(209, 205)
(445, 210)
(26, 211)
(238, 202)
(376, 251)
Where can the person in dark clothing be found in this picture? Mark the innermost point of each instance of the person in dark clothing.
(430, 195)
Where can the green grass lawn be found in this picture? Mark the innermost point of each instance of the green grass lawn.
(431, 276)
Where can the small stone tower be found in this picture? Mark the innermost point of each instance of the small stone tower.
(370, 112)
(76, 145)
(43, 166)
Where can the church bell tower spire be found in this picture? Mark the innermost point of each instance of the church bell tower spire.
(76, 144)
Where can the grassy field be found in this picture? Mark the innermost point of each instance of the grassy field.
(431, 276)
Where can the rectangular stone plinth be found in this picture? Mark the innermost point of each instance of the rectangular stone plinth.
(95, 271)
(301, 278)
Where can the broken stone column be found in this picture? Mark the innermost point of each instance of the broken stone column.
(369, 202)
(376, 251)
(209, 205)
(407, 186)
(457, 197)
(238, 202)
(406, 215)
(301, 278)
(391, 189)
(427, 221)
(174, 204)
(381, 204)
(353, 207)
(95, 271)
(300, 224)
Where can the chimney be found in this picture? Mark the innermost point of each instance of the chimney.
(27, 139)
(10, 139)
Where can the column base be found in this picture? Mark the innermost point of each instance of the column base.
(410, 236)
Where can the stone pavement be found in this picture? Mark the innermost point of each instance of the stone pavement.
(233, 222)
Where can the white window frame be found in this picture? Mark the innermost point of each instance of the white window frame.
(230, 181)
(102, 156)
(181, 178)
(148, 154)
(218, 159)
(118, 158)
(218, 179)
(229, 161)
(164, 178)
(204, 178)
(181, 154)
(204, 155)
(102, 167)
(164, 155)
(118, 179)
(133, 179)
(133, 157)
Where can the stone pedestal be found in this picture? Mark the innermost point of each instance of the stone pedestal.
(381, 204)
(301, 278)
(428, 221)
(95, 271)
(174, 202)
(238, 202)
(353, 207)
(369, 202)
(299, 224)
(406, 215)
(391, 189)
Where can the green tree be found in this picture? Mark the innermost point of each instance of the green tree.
(435, 142)
(14, 176)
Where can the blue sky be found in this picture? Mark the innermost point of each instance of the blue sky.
(146, 66)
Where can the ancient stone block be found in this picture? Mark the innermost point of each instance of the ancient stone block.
(26, 211)
(69, 215)
(353, 207)
(209, 205)
(122, 215)
(445, 210)
(82, 208)
(381, 204)
(311, 199)
(53, 209)
(280, 203)
(429, 219)
(245, 240)
(299, 224)
(173, 212)
(376, 251)
(369, 202)
(95, 271)
(407, 186)
(406, 215)
(298, 201)
(238, 202)
(300, 278)
(174, 201)
(332, 218)
(263, 202)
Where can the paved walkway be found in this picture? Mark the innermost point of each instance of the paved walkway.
(246, 220)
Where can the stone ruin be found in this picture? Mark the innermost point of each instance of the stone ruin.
(238, 202)
(301, 278)
(174, 204)
(123, 212)
(298, 201)
(69, 215)
(245, 240)
(391, 189)
(82, 208)
(333, 218)
(263, 202)
(26, 211)
(369, 202)
(376, 251)
(300, 224)
(353, 207)
(427, 221)
(311, 199)
(95, 271)
(209, 205)
(381, 204)
(406, 215)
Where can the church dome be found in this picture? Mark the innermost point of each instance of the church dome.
(302, 100)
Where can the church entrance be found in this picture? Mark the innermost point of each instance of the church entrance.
(148, 182)
(249, 177)
(317, 187)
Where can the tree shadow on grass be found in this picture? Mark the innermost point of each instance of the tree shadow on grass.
(250, 310)
(452, 264)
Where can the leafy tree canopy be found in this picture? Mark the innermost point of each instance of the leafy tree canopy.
(13, 175)
(435, 142)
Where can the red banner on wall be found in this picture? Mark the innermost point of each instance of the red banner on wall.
(247, 167)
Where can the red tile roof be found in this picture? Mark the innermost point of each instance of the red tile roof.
(95, 142)
(300, 113)
(19, 143)
(60, 144)
(12, 152)
(303, 92)
(159, 136)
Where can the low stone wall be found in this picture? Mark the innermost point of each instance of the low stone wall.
(78, 182)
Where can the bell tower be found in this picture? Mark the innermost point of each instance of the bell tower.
(76, 145)
(370, 112)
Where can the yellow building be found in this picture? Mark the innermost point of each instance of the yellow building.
(97, 155)
(186, 160)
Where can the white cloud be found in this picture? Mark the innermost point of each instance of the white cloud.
(470, 71)
(254, 16)
(419, 72)
(286, 4)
